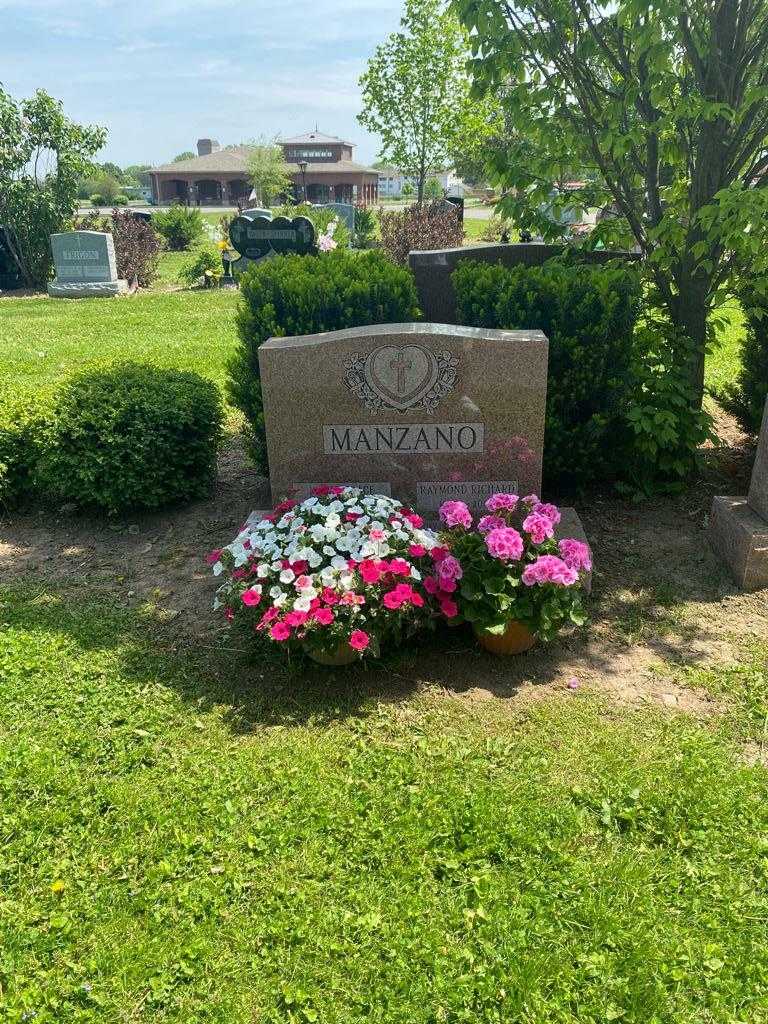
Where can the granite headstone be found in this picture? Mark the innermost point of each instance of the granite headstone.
(258, 238)
(425, 412)
(738, 526)
(85, 265)
(345, 212)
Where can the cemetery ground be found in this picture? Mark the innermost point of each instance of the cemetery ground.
(576, 835)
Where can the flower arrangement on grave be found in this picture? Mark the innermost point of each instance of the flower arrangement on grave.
(339, 575)
(326, 242)
(507, 574)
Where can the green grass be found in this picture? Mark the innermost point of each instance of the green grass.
(724, 362)
(184, 840)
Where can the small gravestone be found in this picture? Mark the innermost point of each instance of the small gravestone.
(345, 212)
(259, 238)
(85, 265)
(425, 412)
(738, 526)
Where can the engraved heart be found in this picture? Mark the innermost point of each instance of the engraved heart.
(401, 376)
(258, 237)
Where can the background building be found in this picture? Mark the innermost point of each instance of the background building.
(392, 180)
(321, 168)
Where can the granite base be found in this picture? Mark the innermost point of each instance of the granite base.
(739, 536)
(87, 289)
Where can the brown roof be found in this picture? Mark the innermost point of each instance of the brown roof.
(236, 159)
(300, 140)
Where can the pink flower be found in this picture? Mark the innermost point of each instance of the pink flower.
(413, 518)
(447, 586)
(400, 567)
(488, 523)
(549, 569)
(337, 489)
(438, 553)
(229, 614)
(417, 550)
(329, 596)
(450, 569)
(456, 513)
(540, 527)
(352, 517)
(214, 556)
(351, 598)
(321, 490)
(251, 598)
(370, 571)
(393, 599)
(299, 567)
(552, 512)
(449, 608)
(280, 631)
(504, 543)
(268, 616)
(575, 554)
(296, 618)
(377, 535)
(324, 616)
(431, 585)
(359, 640)
(417, 600)
(502, 502)
(531, 500)
(573, 683)
(302, 582)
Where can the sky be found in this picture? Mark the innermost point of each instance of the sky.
(163, 73)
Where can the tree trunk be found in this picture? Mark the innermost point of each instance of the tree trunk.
(690, 313)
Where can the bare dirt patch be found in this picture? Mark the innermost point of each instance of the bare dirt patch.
(660, 598)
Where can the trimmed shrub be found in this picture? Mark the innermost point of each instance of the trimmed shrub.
(137, 244)
(747, 399)
(132, 437)
(432, 226)
(290, 295)
(97, 199)
(588, 313)
(179, 225)
(22, 432)
(120, 200)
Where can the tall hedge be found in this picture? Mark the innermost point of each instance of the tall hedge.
(588, 312)
(292, 295)
(747, 399)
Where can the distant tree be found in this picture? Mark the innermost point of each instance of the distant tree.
(43, 156)
(267, 171)
(433, 189)
(407, 191)
(112, 170)
(415, 88)
(138, 174)
(186, 155)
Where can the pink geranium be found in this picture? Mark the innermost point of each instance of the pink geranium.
(552, 512)
(280, 631)
(329, 596)
(449, 608)
(575, 554)
(449, 569)
(400, 567)
(502, 502)
(504, 543)
(371, 571)
(413, 518)
(456, 513)
(359, 640)
(324, 616)
(417, 550)
(251, 598)
(540, 527)
(549, 569)
(296, 618)
(213, 557)
(488, 523)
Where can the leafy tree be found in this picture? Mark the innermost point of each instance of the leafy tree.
(43, 155)
(407, 191)
(664, 110)
(186, 155)
(268, 173)
(138, 174)
(433, 189)
(112, 170)
(414, 89)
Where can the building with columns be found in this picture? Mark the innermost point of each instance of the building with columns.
(321, 169)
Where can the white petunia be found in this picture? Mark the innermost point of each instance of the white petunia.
(218, 568)
(314, 558)
(302, 604)
(287, 576)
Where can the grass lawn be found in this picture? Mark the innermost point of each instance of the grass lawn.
(191, 838)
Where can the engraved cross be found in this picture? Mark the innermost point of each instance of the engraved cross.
(401, 366)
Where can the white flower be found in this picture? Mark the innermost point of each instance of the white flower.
(287, 576)
(262, 571)
(302, 604)
(314, 558)
(278, 602)
(276, 592)
(333, 520)
(218, 568)
(347, 581)
(309, 502)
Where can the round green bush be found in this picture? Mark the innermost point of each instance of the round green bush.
(22, 431)
(120, 200)
(179, 225)
(290, 295)
(133, 437)
(97, 199)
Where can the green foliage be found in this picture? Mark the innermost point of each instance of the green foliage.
(43, 155)
(747, 398)
(22, 431)
(365, 225)
(120, 200)
(588, 312)
(658, 110)
(179, 225)
(291, 295)
(97, 199)
(132, 437)
(664, 425)
(268, 172)
(433, 189)
(414, 89)
(186, 154)
(205, 263)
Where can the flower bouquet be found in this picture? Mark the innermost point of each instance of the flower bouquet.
(506, 574)
(337, 575)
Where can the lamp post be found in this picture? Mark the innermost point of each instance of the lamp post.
(303, 169)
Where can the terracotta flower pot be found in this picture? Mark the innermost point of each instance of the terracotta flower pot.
(515, 639)
(343, 655)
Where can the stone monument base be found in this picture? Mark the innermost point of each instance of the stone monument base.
(87, 289)
(740, 537)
